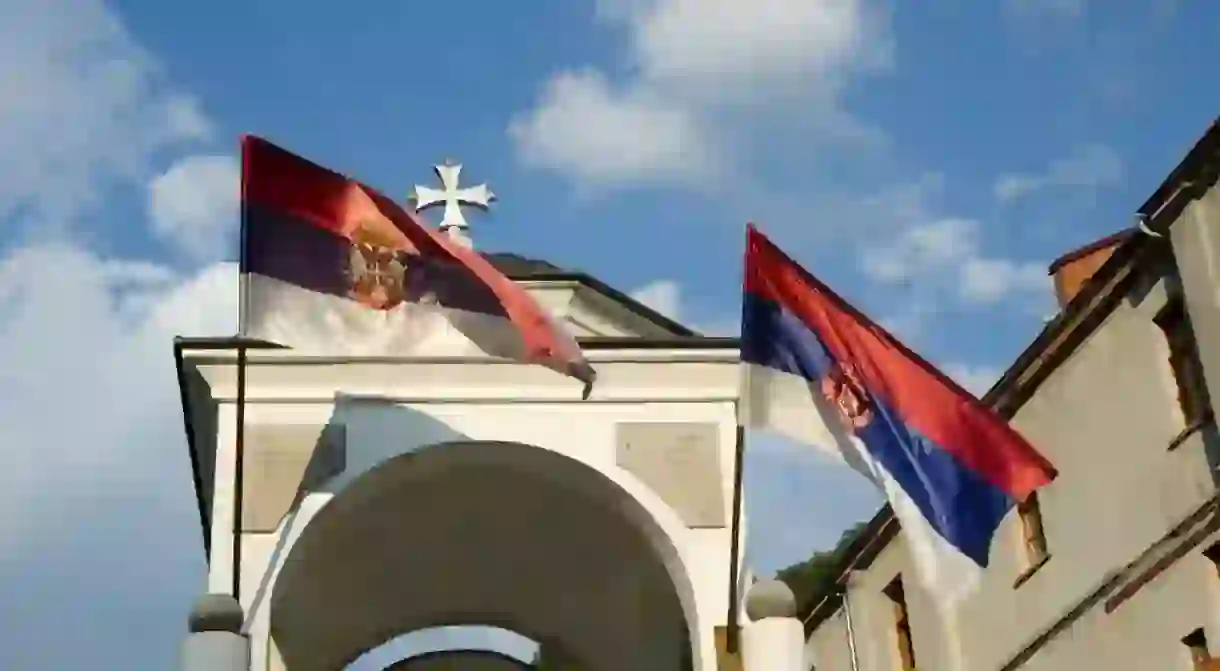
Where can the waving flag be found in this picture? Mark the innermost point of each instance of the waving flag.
(331, 266)
(822, 373)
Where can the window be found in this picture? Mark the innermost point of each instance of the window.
(1183, 361)
(902, 624)
(1196, 646)
(1032, 535)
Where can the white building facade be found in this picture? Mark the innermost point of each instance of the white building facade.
(382, 496)
(1116, 564)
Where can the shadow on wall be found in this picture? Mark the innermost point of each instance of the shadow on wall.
(461, 660)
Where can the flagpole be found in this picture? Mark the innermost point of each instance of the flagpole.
(239, 438)
(239, 467)
(732, 631)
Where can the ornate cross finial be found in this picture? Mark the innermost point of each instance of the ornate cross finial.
(452, 197)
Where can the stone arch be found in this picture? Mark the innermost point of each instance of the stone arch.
(475, 532)
(460, 660)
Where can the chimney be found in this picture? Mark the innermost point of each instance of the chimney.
(1072, 270)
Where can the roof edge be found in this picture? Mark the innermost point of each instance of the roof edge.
(590, 343)
(1058, 339)
(1097, 245)
(633, 305)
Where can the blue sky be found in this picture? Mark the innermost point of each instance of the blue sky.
(928, 162)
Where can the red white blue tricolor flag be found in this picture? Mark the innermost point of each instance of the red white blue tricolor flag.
(818, 371)
(331, 266)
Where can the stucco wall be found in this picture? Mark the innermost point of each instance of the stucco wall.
(1106, 419)
(477, 400)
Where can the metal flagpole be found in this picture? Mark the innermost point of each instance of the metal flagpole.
(239, 439)
(239, 467)
(732, 631)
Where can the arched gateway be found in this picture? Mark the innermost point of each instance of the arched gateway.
(384, 496)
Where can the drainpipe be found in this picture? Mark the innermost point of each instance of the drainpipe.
(851, 632)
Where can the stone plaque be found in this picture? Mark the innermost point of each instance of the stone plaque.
(282, 462)
(680, 461)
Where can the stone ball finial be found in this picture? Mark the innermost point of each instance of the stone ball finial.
(770, 598)
(216, 612)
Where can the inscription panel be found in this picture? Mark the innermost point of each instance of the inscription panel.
(680, 461)
(281, 462)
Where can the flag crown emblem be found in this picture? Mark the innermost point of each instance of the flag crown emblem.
(377, 270)
(842, 387)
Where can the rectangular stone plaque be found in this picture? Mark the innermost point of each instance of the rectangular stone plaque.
(281, 461)
(680, 461)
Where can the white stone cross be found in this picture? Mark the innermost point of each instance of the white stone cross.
(453, 198)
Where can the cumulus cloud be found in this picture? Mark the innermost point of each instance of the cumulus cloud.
(194, 205)
(93, 336)
(692, 62)
(585, 129)
(84, 108)
(1088, 167)
(96, 513)
(949, 252)
(664, 296)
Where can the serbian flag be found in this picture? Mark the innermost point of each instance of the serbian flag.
(331, 266)
(817, 370)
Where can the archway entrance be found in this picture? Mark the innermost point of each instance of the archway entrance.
(461, 660)
(485, 533)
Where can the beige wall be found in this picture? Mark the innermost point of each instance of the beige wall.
(1106, 419)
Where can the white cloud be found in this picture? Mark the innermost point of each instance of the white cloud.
(718, 50)
(82, 107)
(921, 249)
(691, 63)
(597, 135)
(93, 337)
(101, 494)
(194, 205)
(987, 281)
(1087, 167)
(664, 296)
(975, 379)
(949, 251)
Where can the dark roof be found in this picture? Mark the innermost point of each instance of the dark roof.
(518, 267)
(1058, 339)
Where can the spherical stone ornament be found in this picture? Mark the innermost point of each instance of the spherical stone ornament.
(770, 598)
(216, 612)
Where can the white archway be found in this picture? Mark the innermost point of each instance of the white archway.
(460, 641)
(487, 533)
(460, 660)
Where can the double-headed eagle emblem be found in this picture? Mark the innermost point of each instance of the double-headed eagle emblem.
(842, 388)
(377, 269)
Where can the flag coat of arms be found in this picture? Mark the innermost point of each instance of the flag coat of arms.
(818, 371)
(331, 266)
